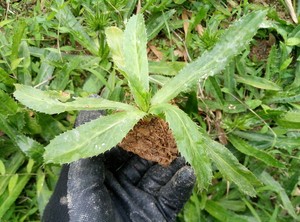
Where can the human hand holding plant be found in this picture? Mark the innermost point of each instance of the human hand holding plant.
(128, 50)
(119, 186)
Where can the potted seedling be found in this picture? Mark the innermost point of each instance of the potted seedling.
(150, 115)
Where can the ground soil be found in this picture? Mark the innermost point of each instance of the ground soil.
(151, 139)
(261, 49)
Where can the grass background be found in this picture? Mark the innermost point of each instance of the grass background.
(252, 105)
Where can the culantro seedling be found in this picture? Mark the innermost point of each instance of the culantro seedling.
(149, 125)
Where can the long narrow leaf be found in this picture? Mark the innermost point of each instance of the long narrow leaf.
(223, 214)
(231, 43)
(257, 82)
(157, 22)
(268, 180)
(114, 38)
(9, 198)
(46, 70)
(129, 53)
(52, 102)
(189, 140)
(230, 167)
(92, 138)
(247, 149)
(135, 50)
(68, 20)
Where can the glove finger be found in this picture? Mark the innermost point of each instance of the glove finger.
(157, 176)
(86, 191)
(177, 191)
(134, 169)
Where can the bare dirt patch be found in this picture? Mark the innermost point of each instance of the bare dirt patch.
(151, 139)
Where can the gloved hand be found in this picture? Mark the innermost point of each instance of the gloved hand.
(119, 186)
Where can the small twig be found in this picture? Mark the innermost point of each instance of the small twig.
(42, 83)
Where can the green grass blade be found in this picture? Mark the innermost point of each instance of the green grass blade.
(249, 150)
(8, 198)
(257, 82)
(268, 180)
(157, 22)
(189, 140)
(231, 43)
(12, 165)
(16, 41)
(68, 20)
(221, 213)
(46, 70)
(53, 102)
(92, 138)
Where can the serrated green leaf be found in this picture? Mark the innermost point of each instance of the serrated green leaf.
(230, 167)
(231, 43)
(258, 82)
(283, 98)
(114, 38)
(50, 101)
(29, 146)
(249, 150)
(189, 142)
(288, 143)
(130, 55)
(136, 60)
(165, 68)
(92, 138)
(8, 105)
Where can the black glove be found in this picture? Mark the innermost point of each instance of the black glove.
(119, 186)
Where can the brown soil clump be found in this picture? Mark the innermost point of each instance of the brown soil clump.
(151, 139)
